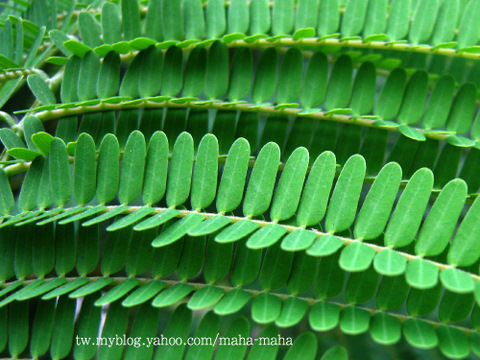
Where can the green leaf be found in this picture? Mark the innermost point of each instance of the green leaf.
(157, 220)
(91, 287)
(63, 328)
(398, 20)
(237, 231)
(205, 297)
(390, 263)
(324, 316)
(420, 334)
(343, 203)
(385, 329)
(423, 21)
(172, 295)
(265, 76)
(10, 139)
(297, 240)
(232, 183)
(304, 347)
(290, 77)
(41, 90)
(336, 352)
(354, 17)
(177, 230)
(468, 33)
(84, 174)
(116, 323)
(42, 141)
(42, 328)
(376, 20)
(414, 99)
(131, 19)
(6, 196)
(65, 289)
(442, 219)
(376, 209)
(266, 236)
(363, 92)
(266, 308)
(262, 181)
(180, 174)
(89, 29)
(232, 302)
(453, 342)
(445, 25)
(107, 169)
(143, 293)
(133, 165)
(116, 292)
(204, 182)
(457, 281)
(408, 213)
(109, 76)
(315, 81)
(210, 226)
(155, 169)
(463, 109)
(59, 172)
(391, 96)
(464, 250)
(356, 257)
(340, 82)
(111, 23)
(325, 245)
(421, 274)
(354, 321)
(438, 107)
(172, 72)
(293, 310)
(216, 75)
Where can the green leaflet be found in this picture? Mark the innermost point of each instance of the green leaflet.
(91, 287)
(445, 25)
(88, 77)
(457, 281)
(363, 92)
(463, 109)
(407, 216)
(385, 329)
(84, 176)
(215, 19)
(283, 17)
(241, 74)
(356, 257)
(131, 218)
(343, 203)
(354, 17)
(423, 21)
(260, 20)
(194, 19)
(237, 231)
(172, 20)
(7, 201)
(172, 294)
(63, 327)
(375, 211)
(414, 98)
(131, 19)
(117, 292)
(390, 263)
(156, 167)
(144, 293)
(289, 188)
(177, 230)
(336, 352)
(262, 181)
(41, 90)
(65, 289)
(307, 13)
(325, 245)
(421, 274)
(157, 220)
(195, 72)
(205, 297)
(297, 240)
(304, 347)
(354, 321)
(59, 172)
(150, 78)
(452, 342)
(218, 259)
(324, 316)
(111, 23)
(68, 91)
(266, 308)
(340, 83)
(180, 174)
(42, 328)
(239, 327)
(468, 33)
(293, 310)
(115, 323)
(290, 77)
(391, 96)
(204, 183)
(133, 164)
(398, 20)
(172, 72)
(89, 29)
(464, 250)
(420, 334)
(144, 326)
(216, 75)
(441, 220)
(392, 292)
(440, 102)
(265, 76)
(328, 17)
(315, 82)
(238, 19)
(232, 302)
(178, 325)
(376, 20)
(330, 277)
(266, 236)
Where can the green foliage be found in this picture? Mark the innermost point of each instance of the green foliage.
(302, 170)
